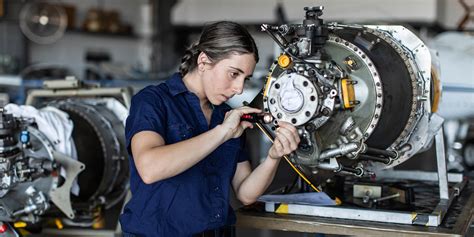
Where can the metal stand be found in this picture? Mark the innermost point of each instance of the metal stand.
(434, 218)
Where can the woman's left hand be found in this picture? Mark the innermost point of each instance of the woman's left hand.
(285, 142)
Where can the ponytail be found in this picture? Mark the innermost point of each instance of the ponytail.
(189, 60)
(218, 41)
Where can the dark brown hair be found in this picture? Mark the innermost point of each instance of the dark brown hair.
(218, 40)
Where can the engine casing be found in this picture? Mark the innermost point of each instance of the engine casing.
(361, 96)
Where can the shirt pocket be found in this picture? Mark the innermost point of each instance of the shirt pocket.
(179, 132)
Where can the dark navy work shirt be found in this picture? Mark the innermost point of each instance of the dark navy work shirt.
(195, 200)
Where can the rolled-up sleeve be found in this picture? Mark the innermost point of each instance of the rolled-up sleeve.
(147, 113)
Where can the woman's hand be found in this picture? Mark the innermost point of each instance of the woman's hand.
(232, 124)
(286, 140)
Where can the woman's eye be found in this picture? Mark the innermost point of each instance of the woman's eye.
(234, 74)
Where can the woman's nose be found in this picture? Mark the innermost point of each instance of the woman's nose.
(238, 88)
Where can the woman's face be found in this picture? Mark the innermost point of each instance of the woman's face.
(226, 78)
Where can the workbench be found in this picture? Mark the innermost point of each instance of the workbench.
(457, 221)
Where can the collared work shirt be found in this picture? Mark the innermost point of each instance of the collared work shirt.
(195, 200)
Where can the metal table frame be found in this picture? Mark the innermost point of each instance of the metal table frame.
(310, 224)
(354, 220)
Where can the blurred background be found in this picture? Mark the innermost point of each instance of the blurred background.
(120, 42)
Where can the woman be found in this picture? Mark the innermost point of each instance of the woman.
(185, 141)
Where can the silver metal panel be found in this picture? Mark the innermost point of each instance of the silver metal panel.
(441, 161)
(356, 214)
(61, 196)
(35, 94)
(371, 191)
(417, 175)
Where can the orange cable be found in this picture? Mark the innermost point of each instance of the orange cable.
(288, 160)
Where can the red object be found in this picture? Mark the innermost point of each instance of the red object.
(3, 228)
(247, 116)
(250, 118)
(257, 117)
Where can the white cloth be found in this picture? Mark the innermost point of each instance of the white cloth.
(117, 108)
(55, 125)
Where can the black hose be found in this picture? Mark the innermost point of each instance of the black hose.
(375, 151)
(356, 172)
(384, 160)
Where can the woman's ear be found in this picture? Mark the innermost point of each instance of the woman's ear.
(202, 61)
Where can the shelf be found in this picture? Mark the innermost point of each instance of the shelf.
(102, 34)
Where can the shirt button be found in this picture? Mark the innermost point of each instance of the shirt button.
(216, 188)
(217, 216)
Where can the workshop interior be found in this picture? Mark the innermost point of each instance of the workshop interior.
(381, 92)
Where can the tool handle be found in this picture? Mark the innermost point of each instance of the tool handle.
(257, 118)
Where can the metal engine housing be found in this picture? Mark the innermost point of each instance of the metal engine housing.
(361, 96)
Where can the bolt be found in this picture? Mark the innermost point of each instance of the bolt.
(326, 111)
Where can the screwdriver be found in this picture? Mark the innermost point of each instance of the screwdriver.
(257, 117)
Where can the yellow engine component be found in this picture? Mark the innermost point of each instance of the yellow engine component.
(284, 61)
(267, 85)
(99, 221)
(58, 223)
(348, 94)
(435, 90)
(19, 224)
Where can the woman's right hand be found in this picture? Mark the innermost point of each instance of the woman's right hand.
(286, 140)
(232, 124)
